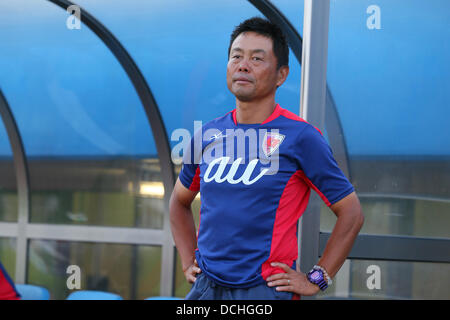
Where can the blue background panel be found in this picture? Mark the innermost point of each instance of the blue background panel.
(391, 85)
(70, 96)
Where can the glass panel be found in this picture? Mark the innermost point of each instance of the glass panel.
(370, 279)
(388, 78)
(384, 215)
(148, 272)
(8, 255)
(182, 287)
(90, 149)
(8, 182)
(133, 272)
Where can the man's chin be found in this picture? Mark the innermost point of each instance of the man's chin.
(243, 96)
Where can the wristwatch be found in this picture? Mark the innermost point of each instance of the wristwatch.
(316, 276)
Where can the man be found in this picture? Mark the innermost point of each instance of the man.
(246, 246)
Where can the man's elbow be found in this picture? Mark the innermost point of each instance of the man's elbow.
(349, 209)
(358, 219)
(354, 217)
(356, 213)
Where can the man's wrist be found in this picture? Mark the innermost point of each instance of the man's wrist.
(313, 285)
(185, 268)
(187, 265)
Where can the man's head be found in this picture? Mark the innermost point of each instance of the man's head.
(258, 58)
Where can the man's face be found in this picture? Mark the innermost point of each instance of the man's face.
(252, 67)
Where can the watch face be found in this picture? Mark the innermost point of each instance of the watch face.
(316, 275)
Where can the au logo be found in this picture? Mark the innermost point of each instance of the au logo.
(271, 142)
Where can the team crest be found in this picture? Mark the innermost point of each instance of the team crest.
(271, 142)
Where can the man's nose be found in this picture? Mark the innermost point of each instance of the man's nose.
(243, 66)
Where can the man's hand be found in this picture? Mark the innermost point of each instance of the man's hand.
(292, 281)
(191, 272)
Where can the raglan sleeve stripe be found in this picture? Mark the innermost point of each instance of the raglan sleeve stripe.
(189, 179)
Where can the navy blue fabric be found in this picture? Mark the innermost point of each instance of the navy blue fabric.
(206, 289)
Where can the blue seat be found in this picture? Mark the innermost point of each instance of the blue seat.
(163, 298)
(93, 295)
(32, 292)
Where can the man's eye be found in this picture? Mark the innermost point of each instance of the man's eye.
(257, 58)
(236, 57)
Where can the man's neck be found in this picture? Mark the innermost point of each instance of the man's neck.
(254, 111)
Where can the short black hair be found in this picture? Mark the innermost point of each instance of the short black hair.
(268, 29)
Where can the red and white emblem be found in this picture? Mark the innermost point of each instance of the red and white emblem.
(271, 142)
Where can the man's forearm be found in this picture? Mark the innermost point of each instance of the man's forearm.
(341, 241)
(183, 231)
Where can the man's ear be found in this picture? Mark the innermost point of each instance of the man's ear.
(283, 72)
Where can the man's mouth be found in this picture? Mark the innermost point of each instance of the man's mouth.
(242, 80)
